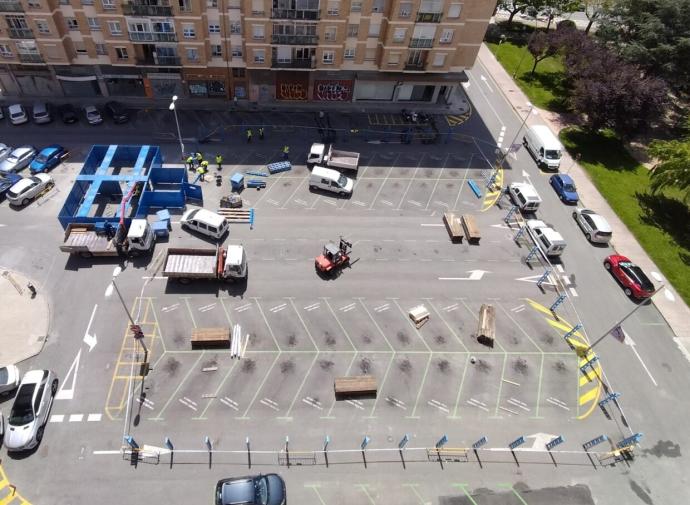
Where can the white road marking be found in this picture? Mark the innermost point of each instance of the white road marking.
(560, 268)
(357, 202)
(330, 202)
(415, 203)
(93, 418)
(229, 403)
(478, 404)
(566, 280)
(56, 418)
(630, 342)
(557, 403)
(272, 202)
(244, 307)
(355, 403)
(519, 404)
(278, 308)
(89, 339)
(300, 201)
(440, 406)
(146, 403)
(76, 418)
(573, 292)
(442, 204)
(188, 403)
(519, 308)
(68, 394)
(103, 453)
(382, 308)
(386, 202)
(451, 308)
(270, 403)
(430, 224)
(170, 308)
(312, 402)
(208, 307)
(313, 306)
(394, 401)
(347, 308)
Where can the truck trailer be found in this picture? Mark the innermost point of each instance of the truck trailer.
(188, 264)
(327, 156)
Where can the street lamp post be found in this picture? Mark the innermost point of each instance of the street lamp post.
(177, 122)
(517, 134)
(138, 335)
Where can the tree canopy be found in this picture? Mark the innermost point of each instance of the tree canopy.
(673, 168)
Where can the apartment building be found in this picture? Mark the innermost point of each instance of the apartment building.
(258, 50)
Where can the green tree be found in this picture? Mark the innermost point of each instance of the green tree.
(540, 46)
(673, 167)
(517, 6)
(594, 10)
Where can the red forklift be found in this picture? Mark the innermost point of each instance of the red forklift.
(333, 257)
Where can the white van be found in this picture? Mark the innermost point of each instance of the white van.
(330, 180)
(524, 196)
(549, 240)
(205, 222)
(544, 146)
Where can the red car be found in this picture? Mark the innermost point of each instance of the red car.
(635, 282)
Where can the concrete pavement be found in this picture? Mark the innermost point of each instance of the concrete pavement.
(669, 303)
(25, 319)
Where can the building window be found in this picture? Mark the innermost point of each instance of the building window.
(213, 28)
(356, 6)
(439, 59)
(5, 51)
(185, 5)
(258, 7)
(378, 6)
(216, 50)
(446, 36)
(192, 54)
(235, 27)
(236, 51)
(394, 59)
(34, 4)
(114, 27)
(259, 55)
(352, 30)
(399, 34)
(108, 5)
(64, 2)
(330, 33)
(454, 10)
(237, 72)
(188, 31)
(333, 7)
(72, 23)
(258, 32)
(101, 49)
(374, 29)
(405, 10)
(42, 26)
(370, 54)
(121, 53)
(328, 57)
(212, 3)
(79, 48)
(349, 53)
(94, 25)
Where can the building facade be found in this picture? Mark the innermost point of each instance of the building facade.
(258, 50)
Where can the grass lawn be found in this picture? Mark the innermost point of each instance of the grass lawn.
(659, 222)
(544, 88)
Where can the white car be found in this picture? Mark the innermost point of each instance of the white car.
(18, 159)
(93, 116)
(29, 188)
(18, 114)
(9, 378)
(30, 410)
(596, 228)
(5, 151)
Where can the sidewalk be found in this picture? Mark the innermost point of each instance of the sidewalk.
(24, 319)
(669, 304)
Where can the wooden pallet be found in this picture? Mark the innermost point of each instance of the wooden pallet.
(236, 215)
(357, 385)
(210, 337)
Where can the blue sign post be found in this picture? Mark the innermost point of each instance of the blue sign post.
(556, 441)
(626, 442)
(513, 445)
(403, 441)
(479, 443)
(442, 441)
(326, 441)
(171, 448)
(365, 442)
(595, 441)
(131, 442)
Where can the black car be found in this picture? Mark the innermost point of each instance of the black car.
(117, 112)
(68, 114)
(266, 489)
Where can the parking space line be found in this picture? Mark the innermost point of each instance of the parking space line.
(270, 330)
(215, 393)
(421, 387)
(383, 382)
(463, 487)
(512, 489)
(500, 384)
(258, 390)
(347, 335)
(347, 372)
(364, 489)
(384, 181)
(443, 167)
(314, 487)
(409, 184)
(413, 326)
(189, 309)
(159, 416)
(457, 337)
(413, 488)
(299, 186)
(301, 386)
(462, 381)
(462, 182)
(541, 379)
(299, 316)
(227, 314)
(268, 189)
(376, 324)
(519, 326)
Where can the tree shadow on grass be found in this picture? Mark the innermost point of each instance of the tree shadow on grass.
(670, 215)
(599, 148)
(554, 83)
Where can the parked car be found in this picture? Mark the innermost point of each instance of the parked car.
(93, 115)
(7, 181)
(564, 186)
(117, 112)
(9, 378)
(18, 114)
(634, 281)
(2, 112)
(18, 159)
(41, 113)
(205, 222)
(30, 410)
(29, 188)
(595, 227)
(5, 151)
(266, 489)
(48, 158)
(549, 240)
(68, 113)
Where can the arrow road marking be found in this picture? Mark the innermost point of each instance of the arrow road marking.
(630, 342)
(485, 81)
(89, 339)
(68, 394)
(475, 275)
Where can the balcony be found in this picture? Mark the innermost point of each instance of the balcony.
(161, 61)
(429, 17)
(422, 43)
(152, 37)
(295, 14)
(131, 9)
(301, 40)
(294, 63)
(415, 66)
(30, 58)
(20, 33)
(11, 7)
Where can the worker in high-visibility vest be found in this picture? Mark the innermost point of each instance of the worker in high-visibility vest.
(249, 135)
(200, 171)
(261, 133)
(199, 158)
(219, 161)
(286, 152)
(190, 162)
(204, 165)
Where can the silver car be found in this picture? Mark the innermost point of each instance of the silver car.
(93, 116)
(29, 188)
(5, 151)
(18, 159)
(9, 378)
(30, 410)
(41, 113)
(595, 227)
(18, 114)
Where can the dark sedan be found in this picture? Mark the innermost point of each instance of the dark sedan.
(68, 114)
(117, 112)
(266, 489)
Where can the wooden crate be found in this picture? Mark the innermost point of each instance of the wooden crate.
(419, 315)
(210, 337)
(357, 385)
(486, 332)
(453, 226)
(469, 225)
